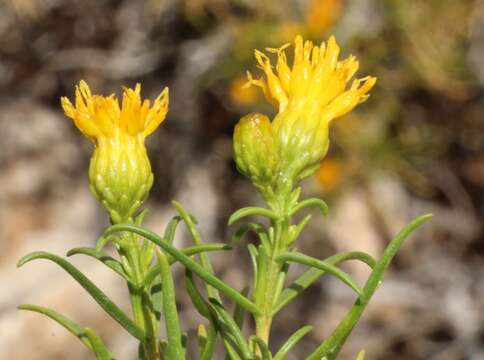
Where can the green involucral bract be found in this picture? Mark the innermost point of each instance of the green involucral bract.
(120, 176)
(302, 142)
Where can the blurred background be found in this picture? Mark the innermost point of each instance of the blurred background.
(416, 146)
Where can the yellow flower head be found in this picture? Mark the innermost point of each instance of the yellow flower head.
(99, 117)
(308, 96)
(317, 82)
(120, 171)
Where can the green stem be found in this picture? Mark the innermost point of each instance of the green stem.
(140, 304)
(272, 278)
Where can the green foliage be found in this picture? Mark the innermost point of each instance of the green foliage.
(154, 290)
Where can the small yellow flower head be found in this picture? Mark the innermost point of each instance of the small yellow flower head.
(120, 171)
(308, 96)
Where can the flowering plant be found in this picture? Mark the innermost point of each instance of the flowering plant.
(275, 155)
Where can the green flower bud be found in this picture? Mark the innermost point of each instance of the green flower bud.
(255, 150)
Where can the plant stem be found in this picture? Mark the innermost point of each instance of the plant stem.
(273, 278)
(264, 321)
(141, 305)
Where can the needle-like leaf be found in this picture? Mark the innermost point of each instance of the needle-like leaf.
(321, 265)
(189, 263)
(332, 345)
(101, 298)
(310, 276)
(174, 349)
(252, 211)
(292, 342)
(311, 202)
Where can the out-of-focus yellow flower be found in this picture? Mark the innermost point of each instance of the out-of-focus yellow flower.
(321, 15)
(330, 174)
(308, 96)
(241, 95)
(120, 171)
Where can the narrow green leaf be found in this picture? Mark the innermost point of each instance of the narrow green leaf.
(252, 211)
(231, 353)
(298, 228)
(171, 229)
(332, 345)
(107, 260)
(261, 282)
(68, 324)
(361, 355)
(103, 241)
(232, 327)
(239, 311)
(204, 308)
(190, 223)
(216, 323)
(321, 265)
(310, 276)
(195, 295)
(292, 342)
(189, 251)
(253, 258)
(146, 253)
(190, 264)
(151, 318)
(197, 249)
(311, 202)
(102, 299)
(174, 349)
(264, 350)
(101, 351)
(280, 282)
(294, 197)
